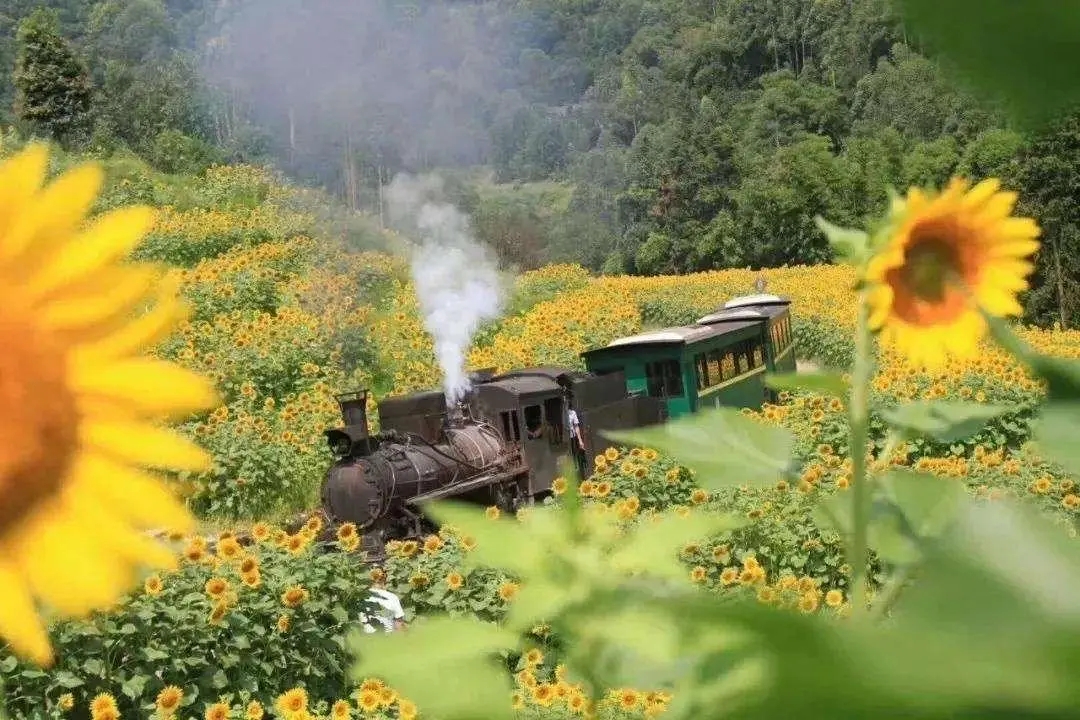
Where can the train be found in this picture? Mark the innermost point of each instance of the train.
(504, 442)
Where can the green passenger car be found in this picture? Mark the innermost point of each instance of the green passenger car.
(691, 367)
(776, 312)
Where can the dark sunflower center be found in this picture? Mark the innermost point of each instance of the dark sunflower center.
(929, 265)
(36, 423)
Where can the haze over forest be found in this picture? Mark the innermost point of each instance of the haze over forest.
(642, 136)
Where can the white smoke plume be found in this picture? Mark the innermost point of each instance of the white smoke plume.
(456, 278)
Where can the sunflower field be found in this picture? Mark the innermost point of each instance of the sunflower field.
(283, 315)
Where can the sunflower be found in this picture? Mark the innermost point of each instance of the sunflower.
(369, 700)
(294, 596)
(79, 403)
(292, 701)
(168, 700)
(217, 711)
(254, 711)
(507, 591)
(152, 585)
(65, 702)
(103, 704)
(260, 531)
(946, 255)
(407, 710)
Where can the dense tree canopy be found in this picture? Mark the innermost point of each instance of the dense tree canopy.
(644, 136)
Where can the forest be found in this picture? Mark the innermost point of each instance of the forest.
(631, 136)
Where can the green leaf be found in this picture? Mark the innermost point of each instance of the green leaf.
(824, 383)
(1062, 375)
(1057, 431)
(8, 664)
(887, 538)
(67, 679)
(885, 532)
(723, 446)
(943, 420)
(850, 245)
(1003, 567)
(999, 46)
(219, 680)
(653, 545)
(93, 666)
(443, 664)
(134, 686)
(501, 543)
(927, 502)
(540, 598)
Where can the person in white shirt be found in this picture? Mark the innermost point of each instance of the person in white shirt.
(390, 615)
(577, 442)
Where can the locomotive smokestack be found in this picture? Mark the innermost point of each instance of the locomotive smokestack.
(354, 438)
(353, 408)
(455, 414)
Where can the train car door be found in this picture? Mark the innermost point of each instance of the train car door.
(536, 445)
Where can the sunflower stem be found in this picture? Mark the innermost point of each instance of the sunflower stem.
(858, 416)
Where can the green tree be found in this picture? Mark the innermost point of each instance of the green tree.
(1047, 174)
(53, 90)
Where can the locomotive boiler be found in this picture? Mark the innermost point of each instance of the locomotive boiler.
(501, 445)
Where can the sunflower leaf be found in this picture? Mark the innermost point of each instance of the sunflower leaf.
(723, 446)
(946, 421)
(653, 544)
(1056, 429)
(503, 544)
(1021, 53)
(824, 383)
(887, 536)
(928, 503)
(445, 665)
(850, 245)
(1062, 375)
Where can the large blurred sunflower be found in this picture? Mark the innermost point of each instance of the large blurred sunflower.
(946, 255)
(78, 402)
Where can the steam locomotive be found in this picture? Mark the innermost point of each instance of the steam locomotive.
(502, 444)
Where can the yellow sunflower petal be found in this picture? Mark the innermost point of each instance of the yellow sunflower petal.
(962, 339)
(109, 239)
(1013, 249)
(57, 552)
(145, 501)
(145, 385)
(53, 215)
(982, 192)
(97, 315)
(998, 300)
(880, 299)
(144, 331)
(19, 623)
(1017, 229)
(20, 177)
(999, 206)
(144, 445)
(115, 537)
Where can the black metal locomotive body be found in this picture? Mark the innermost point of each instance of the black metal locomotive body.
(503, 445)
